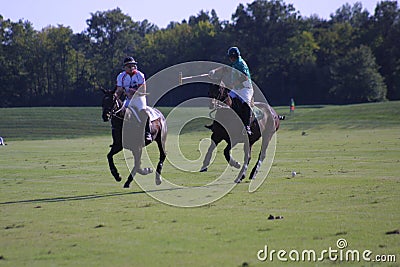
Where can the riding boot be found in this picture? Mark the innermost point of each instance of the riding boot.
(248, 130)
(145, 120)
(246, 112)
(243, 110)
(147, 132)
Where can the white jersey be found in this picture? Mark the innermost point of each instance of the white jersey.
(127, 81)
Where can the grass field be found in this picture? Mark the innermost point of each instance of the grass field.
(60, 206)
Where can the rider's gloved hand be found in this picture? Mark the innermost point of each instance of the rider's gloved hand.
(132, 90)
(211, 74)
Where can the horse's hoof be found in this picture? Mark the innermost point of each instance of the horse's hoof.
(126, 185)
(158, 180)
(236, 165)
(145, 171)
(116, 175)
(239, 179)
(118, 178)
(252, 177)
(204, 170)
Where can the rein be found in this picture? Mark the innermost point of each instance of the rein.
(219, 102)
(114, 114)
(221, 94)
(119, 108)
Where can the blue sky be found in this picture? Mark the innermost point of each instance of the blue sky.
(74, 13)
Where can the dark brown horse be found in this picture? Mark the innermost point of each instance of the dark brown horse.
(126, 133)
(228, 127)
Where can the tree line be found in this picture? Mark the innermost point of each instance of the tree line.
(352, 57)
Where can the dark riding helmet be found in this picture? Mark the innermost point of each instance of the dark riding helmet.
(129, 60)
(233, 52)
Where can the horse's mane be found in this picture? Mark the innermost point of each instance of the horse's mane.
(224, 97)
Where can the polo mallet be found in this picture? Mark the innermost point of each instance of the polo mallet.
(190, 77)
(142, 94)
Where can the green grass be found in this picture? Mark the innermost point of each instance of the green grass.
(60, 206)
(51, 122)
(361, 116)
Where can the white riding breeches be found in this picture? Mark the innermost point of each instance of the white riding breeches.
(138, 102)
(246, 94)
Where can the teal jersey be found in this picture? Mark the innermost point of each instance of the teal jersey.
(241, 66)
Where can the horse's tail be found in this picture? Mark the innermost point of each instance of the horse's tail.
(164, 128)
(276, 118)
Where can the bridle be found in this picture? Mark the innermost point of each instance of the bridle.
(220, 101)
(117, 105)
(116, 108)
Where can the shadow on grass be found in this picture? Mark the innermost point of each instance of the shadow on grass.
(96, 196)
(71, 198)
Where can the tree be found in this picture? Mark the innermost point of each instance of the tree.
(302, 68)
(357, 78)
(385, 36)
(113, 36)
(56, 63)
(354, 15)
(178, 44)
(349, 58)
(262, 31)
(5, 68)
(18, 49)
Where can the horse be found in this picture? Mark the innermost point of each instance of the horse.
(113, 110)
(226, 121)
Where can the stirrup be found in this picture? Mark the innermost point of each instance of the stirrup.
(248, 130)
(148, 137)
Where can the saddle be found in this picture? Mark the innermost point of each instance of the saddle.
(153, 114)
(258, 114)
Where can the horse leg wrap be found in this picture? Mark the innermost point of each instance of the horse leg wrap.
(159, 167)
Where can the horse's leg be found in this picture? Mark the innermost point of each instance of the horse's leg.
(247, 157)
(131, 175)
(207, 158)
(116, 147)
(114, 171)
(214, 143)
(227, 153)
(163, 155)
(142, 171)
(261, 157)
(266, 138)
(137, 154)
